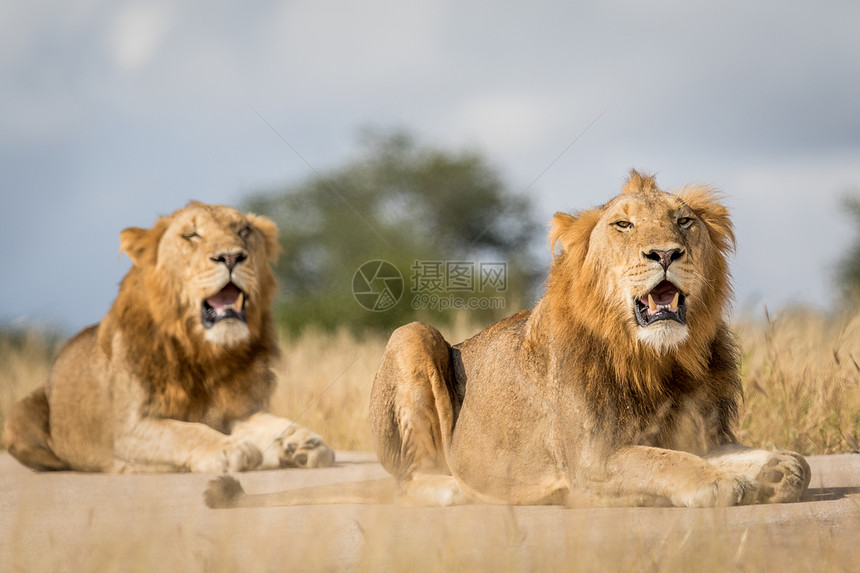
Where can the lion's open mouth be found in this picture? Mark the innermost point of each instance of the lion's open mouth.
(664, 302)
(229, 302)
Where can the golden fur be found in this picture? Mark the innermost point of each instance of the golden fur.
(176, 376)
(621, 387)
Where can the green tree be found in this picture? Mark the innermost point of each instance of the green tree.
(848, 270)
(403, 203)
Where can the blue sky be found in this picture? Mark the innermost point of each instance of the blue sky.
(112, 113)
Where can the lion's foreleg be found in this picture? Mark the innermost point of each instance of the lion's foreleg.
(682, 478)
(283, 442)
(185, 446)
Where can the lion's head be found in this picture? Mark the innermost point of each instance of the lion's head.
(205, 273)
(648, 267)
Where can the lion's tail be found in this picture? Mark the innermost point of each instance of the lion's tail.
(226, 491)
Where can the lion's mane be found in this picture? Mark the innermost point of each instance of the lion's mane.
(589, 326)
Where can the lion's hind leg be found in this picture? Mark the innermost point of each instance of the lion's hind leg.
(26, 433)
(412, 415)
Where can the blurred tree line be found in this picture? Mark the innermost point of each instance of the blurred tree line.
(848, 268)
(445, 221)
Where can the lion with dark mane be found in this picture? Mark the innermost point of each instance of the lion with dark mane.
(177, 376)
(621, 387)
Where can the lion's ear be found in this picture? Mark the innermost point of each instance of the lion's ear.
(132, 242)
(141, 245)
(705, 202)
(269, 231)
(572, 232)
(559, 224)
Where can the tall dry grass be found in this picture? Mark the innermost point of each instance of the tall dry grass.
(325, 379)
(324, 384)
(25, 359)
(801, 377)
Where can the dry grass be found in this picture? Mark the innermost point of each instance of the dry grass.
(801, 382)
(801, 375)
(324, 384)
(325, 380)
(25, 358)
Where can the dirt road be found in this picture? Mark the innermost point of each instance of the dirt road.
(81, 522)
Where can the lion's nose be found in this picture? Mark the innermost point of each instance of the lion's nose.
(230, 259)
(665, 258)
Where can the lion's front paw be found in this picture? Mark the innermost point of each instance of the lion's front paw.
(301, 448)
(726, 491)
(228, 456)
(783, 478)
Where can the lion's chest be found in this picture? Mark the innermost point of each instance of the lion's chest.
(171, 384)
(677, 422)
(215, 404)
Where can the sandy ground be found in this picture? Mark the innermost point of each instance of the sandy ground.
(81, 522)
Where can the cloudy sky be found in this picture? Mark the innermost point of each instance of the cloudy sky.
(112, 113)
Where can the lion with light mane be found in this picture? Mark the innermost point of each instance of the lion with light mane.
(621, 387)
(176, 377)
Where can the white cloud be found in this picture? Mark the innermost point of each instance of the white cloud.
(137, 33)
(354, 47)
(791, 232)
(507, 123)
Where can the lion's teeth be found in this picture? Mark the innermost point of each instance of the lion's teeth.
(240, 301)
(652, 306)
(674, 306)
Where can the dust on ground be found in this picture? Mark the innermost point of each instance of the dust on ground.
(91, 522)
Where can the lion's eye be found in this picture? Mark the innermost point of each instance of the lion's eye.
(189, 235)
(245, 231)
(623, 224)
(685, 222)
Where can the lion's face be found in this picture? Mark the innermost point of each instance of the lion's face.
(652, 248)
(653, 261)
(207, 271)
